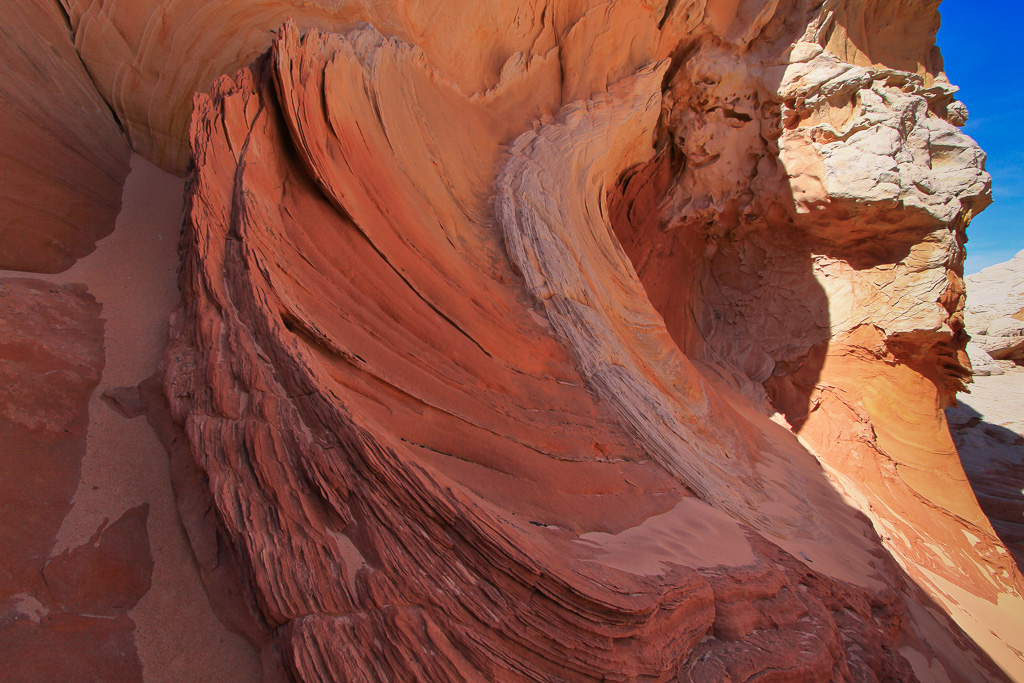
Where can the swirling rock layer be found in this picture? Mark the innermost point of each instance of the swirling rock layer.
(556, 340)
(449, 436)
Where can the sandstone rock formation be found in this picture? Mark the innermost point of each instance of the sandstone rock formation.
(995, 316)
(560, 340)
(64, 158)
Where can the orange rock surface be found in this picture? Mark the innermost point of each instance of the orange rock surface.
(64, 158)
(562, 340)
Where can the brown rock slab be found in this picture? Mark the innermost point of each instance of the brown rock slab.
(70, 647)
(107, 575)
(52, 341)
(63, 621)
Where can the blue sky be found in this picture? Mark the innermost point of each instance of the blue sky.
(983, 46)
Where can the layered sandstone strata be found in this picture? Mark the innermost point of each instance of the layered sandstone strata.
(64, 158)
(567, 340)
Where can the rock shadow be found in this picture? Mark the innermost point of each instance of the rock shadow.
(993, 460)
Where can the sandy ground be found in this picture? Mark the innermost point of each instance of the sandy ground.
(988, 427)
(999, 399)
(133, 275)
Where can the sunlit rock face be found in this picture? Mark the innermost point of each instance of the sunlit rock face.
(486, 354)
(808, 250)
(569, 340)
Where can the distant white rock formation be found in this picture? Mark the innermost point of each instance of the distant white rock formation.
(995, 316)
